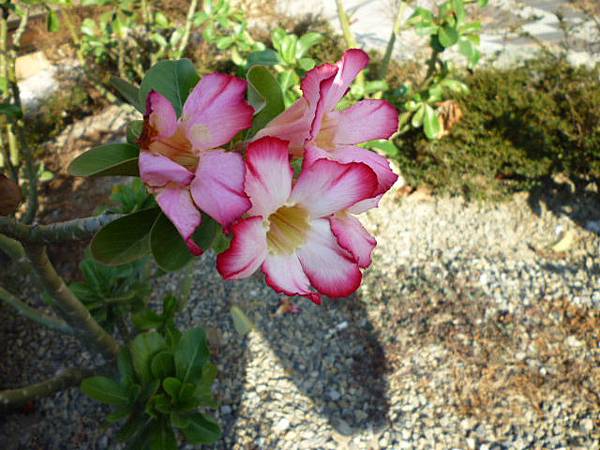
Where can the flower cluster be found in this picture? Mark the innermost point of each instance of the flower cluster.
(300, 230)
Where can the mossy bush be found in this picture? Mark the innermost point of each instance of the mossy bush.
(521, 126)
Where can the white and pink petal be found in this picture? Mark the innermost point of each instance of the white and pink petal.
(161, 114)
(353, 237)
(365, 121)
(325, 186)
(330, 268)
(216, 110)
(285, 275)
(218, 186)
(176, 203)
(247, 251)
(158, 170)
(268, 180)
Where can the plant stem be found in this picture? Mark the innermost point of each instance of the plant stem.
(16, 135)
(71, 309)
(348, 35)
(32, 314)
(392, 41)
(71, 230)
(15, 398)
(188, 27)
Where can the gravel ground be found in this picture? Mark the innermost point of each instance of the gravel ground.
(468, 332)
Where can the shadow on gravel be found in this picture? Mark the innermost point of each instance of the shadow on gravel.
(331, 353)
(336, 359)
(578, 199)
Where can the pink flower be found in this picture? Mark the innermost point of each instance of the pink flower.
(180, 160)
(316, 130)
(293, 230)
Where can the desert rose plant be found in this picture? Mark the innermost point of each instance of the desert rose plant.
(226, 168)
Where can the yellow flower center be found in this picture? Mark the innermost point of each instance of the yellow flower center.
(288, 227)
(326, 134)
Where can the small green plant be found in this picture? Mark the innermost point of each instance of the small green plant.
(227, 28)
(447, 27)
(164, 384)
(111, 293)
(289, 57)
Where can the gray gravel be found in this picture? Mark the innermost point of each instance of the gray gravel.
(468, 332)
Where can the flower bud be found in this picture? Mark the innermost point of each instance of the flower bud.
(10, 196)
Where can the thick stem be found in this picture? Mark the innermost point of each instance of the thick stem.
(15, 398)
(32, 314)
(348, 35)
(188, 27)
(392, 41)
(16, 134)
(71, 309)
(71, 230)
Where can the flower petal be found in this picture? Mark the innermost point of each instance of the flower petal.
(353, 237)
(247, 251)
(312, 87)
(158, 170)
(292, 125)
(353, 61)
(216, 110)
(364, 121)
(161, 114)
(350, 153)
(326, 187)
(268, 175)
(218, 187)
(329, 268)
(178, 206)
(285, 275)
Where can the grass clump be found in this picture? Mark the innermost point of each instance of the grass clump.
(521, 126)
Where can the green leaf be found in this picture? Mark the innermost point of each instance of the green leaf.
(465, 48)
(143, 348)
(306, 42)
(288, 48)
(129, 92)
(53, 22)
(11, 111)
(431, 123)
(172, 386)
(105, 390)
(448, 36)
(202, 430)
(266, 57)
(191, 355)
(162, 404)
(147, 319)
(168, 247)
(179, 420)
(134, 131)
(108, 159)
(163, 438)
(205, 234)
(242, 324)
(265, 95)
(386, 147)
(118, 414)
(173, 79)
(417, 118)
(126, 239)
(306, 63)
(124, 365)
(162, 365)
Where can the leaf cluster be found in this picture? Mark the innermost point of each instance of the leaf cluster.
(165, 381)
(521, 126)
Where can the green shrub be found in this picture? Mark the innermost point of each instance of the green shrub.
(520, 126)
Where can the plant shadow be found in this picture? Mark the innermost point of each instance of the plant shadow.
(331, 353)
